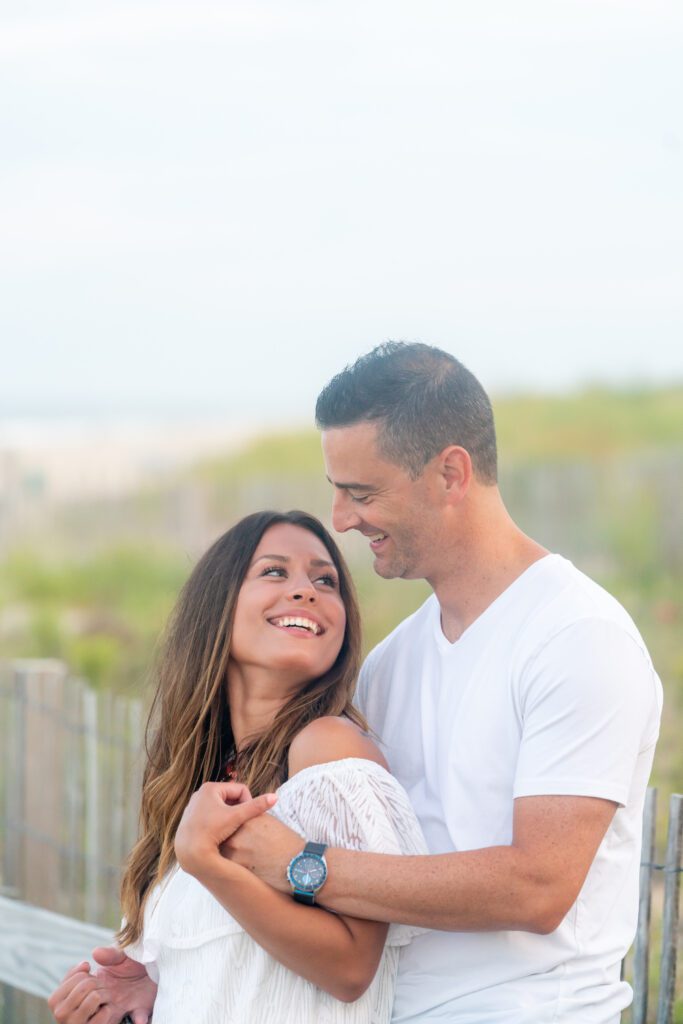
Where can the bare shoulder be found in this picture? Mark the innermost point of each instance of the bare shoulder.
(331, 739)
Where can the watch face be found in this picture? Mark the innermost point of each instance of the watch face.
(307, 872)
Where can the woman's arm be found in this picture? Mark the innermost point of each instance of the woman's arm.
(339, 953)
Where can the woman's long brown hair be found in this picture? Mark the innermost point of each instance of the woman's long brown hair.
(189, 735)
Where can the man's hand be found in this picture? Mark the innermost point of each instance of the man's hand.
(118, 986)
(211, 817)
(265, 846)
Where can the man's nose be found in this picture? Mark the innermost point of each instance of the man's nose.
(344, 515)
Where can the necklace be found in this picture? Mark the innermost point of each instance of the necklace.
(229, 769)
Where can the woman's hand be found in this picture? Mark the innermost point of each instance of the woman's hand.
(214, 812)
(119, 986)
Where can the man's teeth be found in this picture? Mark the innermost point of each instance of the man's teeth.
(291, 620)
(376, 537)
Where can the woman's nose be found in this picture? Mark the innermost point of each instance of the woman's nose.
(303, 591)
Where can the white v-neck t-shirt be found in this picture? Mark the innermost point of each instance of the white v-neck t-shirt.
(550, 691)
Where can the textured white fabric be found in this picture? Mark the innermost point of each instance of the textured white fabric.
(549, 691)
(210, 971)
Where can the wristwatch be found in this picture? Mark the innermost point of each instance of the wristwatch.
(307, 872)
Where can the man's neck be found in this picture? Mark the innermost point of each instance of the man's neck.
(490, 554)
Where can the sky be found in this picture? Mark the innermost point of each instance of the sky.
(213, 207)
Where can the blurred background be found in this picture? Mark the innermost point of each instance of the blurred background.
(206, 211)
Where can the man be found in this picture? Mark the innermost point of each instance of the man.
(518, 707)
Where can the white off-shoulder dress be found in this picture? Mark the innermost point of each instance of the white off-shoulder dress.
(210, 971)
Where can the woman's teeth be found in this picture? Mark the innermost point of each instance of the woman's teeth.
(291, 620)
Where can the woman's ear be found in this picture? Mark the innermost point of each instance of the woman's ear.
(455, 466)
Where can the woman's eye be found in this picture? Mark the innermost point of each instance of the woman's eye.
(274, 570)
(329, 581)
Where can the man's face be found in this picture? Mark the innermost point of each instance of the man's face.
(397, 514)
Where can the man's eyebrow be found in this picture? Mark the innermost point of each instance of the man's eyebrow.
(317, 562)
(351, 487)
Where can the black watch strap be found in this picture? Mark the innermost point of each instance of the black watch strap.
(317, 848)
(304, 897)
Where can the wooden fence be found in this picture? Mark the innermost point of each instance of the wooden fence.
(70, 777)
(69, 790)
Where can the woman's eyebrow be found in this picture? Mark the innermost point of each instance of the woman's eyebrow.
(317, 562)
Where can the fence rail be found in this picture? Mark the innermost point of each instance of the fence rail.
(37, 947)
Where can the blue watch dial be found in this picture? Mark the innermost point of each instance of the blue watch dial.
(307, 872)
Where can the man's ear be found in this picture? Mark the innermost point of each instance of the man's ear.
(455, 466)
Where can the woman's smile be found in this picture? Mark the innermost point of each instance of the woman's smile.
(298, 625)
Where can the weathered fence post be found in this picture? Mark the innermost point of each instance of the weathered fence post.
(672, 875)
(92, 809)
(641, 953)
(42, 684)
(13, 744)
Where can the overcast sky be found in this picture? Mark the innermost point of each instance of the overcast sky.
(215, 205)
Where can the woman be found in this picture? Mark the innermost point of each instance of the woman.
(254, 699)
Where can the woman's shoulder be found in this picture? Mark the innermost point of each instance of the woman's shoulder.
(331, 739)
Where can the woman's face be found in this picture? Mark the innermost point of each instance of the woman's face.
(290, 616)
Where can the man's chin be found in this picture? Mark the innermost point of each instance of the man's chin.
(388, 570)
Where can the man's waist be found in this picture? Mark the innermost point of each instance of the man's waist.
(483, 977)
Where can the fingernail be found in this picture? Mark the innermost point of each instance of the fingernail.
(271, 799)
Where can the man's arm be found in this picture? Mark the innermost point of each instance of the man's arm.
(527, 886)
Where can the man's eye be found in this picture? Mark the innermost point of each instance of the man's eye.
(360, 499)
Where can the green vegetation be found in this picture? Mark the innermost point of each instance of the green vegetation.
(596, 476)
(101, 613)
(276, 456)
(593, 424)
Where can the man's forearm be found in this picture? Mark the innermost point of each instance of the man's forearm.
(528, 886)
(480, 890)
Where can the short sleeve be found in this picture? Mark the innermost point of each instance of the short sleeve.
(357, 805)
(590, 703)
